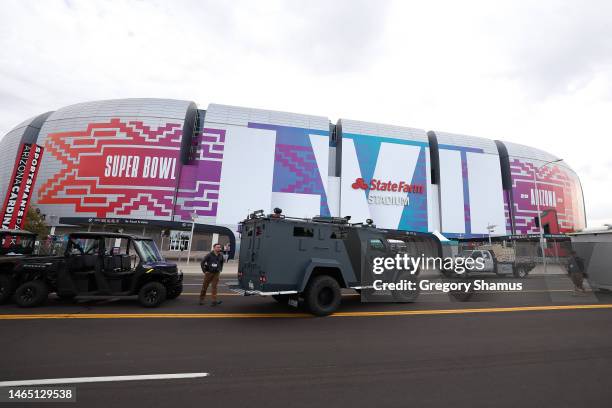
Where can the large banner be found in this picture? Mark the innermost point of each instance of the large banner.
(21, 187)
(116, 168)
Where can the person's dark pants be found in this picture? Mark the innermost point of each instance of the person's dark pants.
(210, 278)
(577, 279)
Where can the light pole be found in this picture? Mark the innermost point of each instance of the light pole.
(490, 228)
(537, 200)
(194, 216)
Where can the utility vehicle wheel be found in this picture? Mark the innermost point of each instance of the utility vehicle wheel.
(152, 294)
(7, 287)
(174, 292)
(521, 272)
(282, 299)
(31, 294)
(323, 295)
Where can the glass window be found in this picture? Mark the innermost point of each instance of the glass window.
(303, 232)
(377, 244)
(147, 250)
(82, 246)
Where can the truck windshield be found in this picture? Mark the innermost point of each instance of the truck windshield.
(147, 250)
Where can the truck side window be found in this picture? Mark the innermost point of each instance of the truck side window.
(377, 244)
(303, 232)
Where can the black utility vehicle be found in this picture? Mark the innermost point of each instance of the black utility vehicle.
(312, 260)
(14, 245)
(93, 264)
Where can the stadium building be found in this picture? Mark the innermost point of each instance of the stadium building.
(153, 165)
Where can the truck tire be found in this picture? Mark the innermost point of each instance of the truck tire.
(174, 292)
(152, 294)
(31, 294)
(7, 287)
(322, 295)
(520, 272)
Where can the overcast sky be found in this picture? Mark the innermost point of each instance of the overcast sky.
(538, 74)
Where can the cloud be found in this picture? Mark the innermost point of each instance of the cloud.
(531, 73)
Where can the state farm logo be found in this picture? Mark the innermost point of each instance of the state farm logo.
(379, 185)
(359, 184)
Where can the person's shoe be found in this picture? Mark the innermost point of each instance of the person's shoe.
(201, 302)
(215, 303)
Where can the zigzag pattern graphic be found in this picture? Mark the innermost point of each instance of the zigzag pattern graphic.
(87, 194)
(548, 177)
(199, 184)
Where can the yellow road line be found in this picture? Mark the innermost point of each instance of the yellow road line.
(422, 293)
(295, 315)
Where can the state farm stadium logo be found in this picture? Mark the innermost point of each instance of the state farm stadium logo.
(387, 187)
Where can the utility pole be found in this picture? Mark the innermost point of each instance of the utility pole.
(537, 200)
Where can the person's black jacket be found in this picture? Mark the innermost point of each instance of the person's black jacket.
(212, 262)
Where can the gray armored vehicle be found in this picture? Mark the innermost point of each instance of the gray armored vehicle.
(295, 259)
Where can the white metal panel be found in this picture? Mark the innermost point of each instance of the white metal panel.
(382, 130)
(236, 115)
(353, 202)
(396, 162)
(451, 192)
(297, 205)
(243, 190)
(486, 193)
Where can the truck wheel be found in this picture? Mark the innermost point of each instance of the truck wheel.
(7, 287)
(31, 294)
(323, 295)
(152, 294)
(520, 272)
(174, 292)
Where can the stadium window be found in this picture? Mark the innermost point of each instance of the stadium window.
(303, 232)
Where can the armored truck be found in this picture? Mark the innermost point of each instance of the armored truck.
(93, 264)
(312, 260)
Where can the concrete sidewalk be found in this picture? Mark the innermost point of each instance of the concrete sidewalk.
(230, 269)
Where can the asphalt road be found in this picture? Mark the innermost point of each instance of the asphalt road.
(509, 356)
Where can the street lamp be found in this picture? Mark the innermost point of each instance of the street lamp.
(194, 216)
(537, 200)
(491, 229)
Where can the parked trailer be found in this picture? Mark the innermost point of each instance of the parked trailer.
(595, 248)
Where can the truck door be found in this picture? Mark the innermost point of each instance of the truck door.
(375, 248)
(488, 261)
(252, 241)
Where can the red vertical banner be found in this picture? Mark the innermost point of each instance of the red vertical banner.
(21, 186)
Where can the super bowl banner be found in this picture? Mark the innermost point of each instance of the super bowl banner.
(21, 187)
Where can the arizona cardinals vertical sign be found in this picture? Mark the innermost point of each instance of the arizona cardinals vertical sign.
(21, 187)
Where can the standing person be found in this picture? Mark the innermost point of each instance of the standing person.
(575, 268)
(226, 251)
(212, 265)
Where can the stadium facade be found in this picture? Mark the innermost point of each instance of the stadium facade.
(158, 163)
